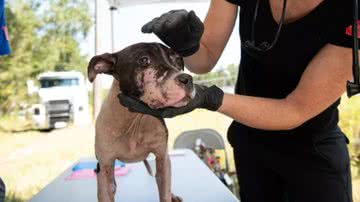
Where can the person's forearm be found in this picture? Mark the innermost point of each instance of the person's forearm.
(262, 113)
(202, 61)
(219, 23)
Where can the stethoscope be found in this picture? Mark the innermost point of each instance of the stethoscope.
(264, 46)
(353, 88)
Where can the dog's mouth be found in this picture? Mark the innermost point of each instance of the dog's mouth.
(178, 98)
(185, 99)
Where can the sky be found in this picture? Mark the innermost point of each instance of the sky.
(127, 25)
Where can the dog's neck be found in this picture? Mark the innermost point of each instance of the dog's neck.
(114, 105)
(127, 123)
(115, 86)
(114, 100)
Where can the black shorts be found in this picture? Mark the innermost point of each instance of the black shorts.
(317, 170)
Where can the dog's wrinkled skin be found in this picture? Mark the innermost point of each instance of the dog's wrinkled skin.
(152, 73)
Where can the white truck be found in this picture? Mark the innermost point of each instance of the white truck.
(62, 99)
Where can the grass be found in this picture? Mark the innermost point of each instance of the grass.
(350, 124)
(33, 159)
(30, 160)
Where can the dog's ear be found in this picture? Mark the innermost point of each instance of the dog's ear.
(104, 63)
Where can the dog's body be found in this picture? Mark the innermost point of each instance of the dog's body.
(128, 136)
(130, 132)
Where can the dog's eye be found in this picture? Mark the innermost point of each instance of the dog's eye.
(144, 61)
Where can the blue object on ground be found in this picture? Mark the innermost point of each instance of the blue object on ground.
(92, 165)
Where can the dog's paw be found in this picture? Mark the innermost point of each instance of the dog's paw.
(175, 198)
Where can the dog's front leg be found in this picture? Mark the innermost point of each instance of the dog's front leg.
(163, 179)
(105, 181)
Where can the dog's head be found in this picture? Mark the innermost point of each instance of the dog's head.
(150, 72)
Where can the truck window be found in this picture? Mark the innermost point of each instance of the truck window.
(48, 83)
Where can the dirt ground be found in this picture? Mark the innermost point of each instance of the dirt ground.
(356, 190)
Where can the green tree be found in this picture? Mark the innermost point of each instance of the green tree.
(15, 68)
(43, 36)
(221, 77)
(66, 23)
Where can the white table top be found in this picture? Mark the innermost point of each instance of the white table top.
(191, 179)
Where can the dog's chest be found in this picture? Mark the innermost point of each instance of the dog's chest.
(138, 143)
(133, 141)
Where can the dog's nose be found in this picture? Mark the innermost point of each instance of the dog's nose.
(184, 79)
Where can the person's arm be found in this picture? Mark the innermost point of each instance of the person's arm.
(321, 84)
(218, 24)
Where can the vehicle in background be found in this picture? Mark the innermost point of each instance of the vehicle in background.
(62, 98)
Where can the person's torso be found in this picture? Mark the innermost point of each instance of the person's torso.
(276, 73)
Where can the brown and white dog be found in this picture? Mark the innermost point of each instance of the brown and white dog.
(152, 73)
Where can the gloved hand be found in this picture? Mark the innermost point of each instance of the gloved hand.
(206, 97)
(179, 29)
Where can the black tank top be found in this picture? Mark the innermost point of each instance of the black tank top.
(276, 73)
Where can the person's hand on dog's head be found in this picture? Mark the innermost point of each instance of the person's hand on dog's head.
(179, 29)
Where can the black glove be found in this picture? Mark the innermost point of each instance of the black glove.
(179, 29)
(206, 97)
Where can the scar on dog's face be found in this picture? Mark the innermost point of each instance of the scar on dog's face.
(150, 72)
